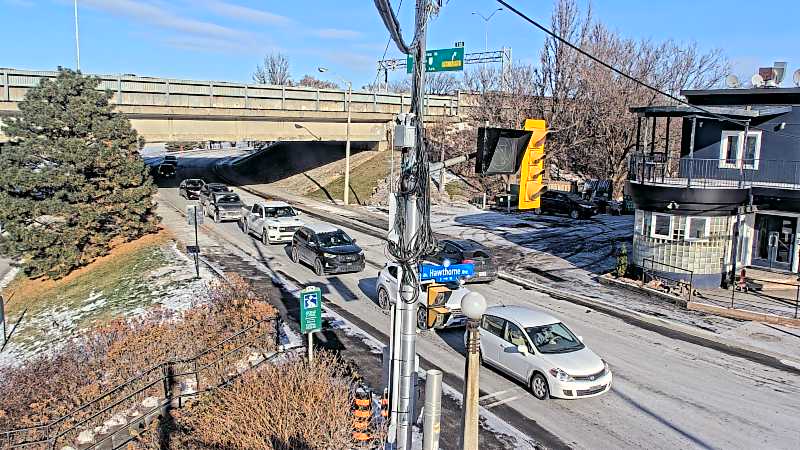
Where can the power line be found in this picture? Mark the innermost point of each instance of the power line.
(632, 78)
(386, 49)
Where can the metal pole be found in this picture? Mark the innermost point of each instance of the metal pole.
(3, 317)
(347, 147)
(796, 303)
(691, 153)
(310, 347)
(469, 420)
(433, 410)
(77, 40)
(197, 246)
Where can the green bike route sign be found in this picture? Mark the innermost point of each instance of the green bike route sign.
(310, 309)
(442, 60)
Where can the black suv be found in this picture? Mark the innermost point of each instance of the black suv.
(328, 249)
(467, 251)
(555, 202)
(190, 188)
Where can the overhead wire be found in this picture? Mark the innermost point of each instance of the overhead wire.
(608, 66)
(386, 49)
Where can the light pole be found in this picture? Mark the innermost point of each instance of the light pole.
(303, 127)
(486, 28)
(77, 40)
(347, 145)
(473, 305)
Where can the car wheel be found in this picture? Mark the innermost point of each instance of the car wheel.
(318, 269)
(295, 254)
(539, 387)
(575, 214)
(383, 299)
(216, 216)
(265, 237)
(538, 211)
(422, 318)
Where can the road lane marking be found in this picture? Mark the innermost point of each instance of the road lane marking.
(502, 402)
(495, 394)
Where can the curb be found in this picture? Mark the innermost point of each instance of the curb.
(642, 320)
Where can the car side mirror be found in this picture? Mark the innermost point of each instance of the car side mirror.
(522, 349)
(354, 241)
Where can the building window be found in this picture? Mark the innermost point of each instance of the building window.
(661, 226)
(697, 228)
(733, 152)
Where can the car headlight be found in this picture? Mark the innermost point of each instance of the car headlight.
(560, 375)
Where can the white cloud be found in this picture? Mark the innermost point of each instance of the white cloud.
(152, 14)
(336, 33)
(247, 14)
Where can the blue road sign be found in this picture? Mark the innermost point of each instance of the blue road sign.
(446, 272)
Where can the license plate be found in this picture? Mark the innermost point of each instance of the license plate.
(481, 274)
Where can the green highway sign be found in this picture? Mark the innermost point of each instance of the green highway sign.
(442, 60)
(310, 309)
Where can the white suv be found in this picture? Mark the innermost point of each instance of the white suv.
(538, 349)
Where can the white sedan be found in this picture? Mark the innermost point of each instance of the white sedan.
(538, 349)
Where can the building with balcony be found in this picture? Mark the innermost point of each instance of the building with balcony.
(729, 195)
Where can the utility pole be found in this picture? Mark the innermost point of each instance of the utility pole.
(347, 147)
(486, 26)
(77, 40)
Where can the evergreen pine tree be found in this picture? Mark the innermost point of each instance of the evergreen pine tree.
(72, 182)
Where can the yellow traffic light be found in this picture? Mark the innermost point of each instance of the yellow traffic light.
(436, 312)
(531, 180)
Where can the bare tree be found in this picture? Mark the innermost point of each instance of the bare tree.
(438, 83)
(275, 70)
(314, 82)
(401, 86)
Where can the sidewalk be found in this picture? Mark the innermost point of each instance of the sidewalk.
(559, 276)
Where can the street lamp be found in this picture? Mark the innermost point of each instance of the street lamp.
(473, 305)
(486, 21)
(347, 145)
(298, 126)
(77, 40)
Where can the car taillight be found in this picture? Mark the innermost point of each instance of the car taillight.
(468, 261)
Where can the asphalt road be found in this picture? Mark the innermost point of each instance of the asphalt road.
(667, 393)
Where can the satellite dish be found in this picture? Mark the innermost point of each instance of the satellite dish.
(797, 77)
(732, 81)
(779, 67)
(757, 80)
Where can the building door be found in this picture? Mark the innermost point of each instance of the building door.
(774, 238)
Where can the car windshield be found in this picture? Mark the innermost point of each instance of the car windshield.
(218, 188)
(230, 198)
(334, 238)
(193, 183)
(281, 211)
(554, 338)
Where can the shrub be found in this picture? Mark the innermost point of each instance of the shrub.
(51, 385)
(622, 261)
(291, 405)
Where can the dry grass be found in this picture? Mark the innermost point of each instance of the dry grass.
(292, 405)
(50, 386)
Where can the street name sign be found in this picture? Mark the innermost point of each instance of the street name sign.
(442, 60)
(310, 309)
(446, 272)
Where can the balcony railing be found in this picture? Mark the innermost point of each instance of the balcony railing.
(713, 173)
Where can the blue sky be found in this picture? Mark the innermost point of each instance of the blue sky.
(224, 39)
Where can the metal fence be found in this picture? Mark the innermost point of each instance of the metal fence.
(653, 270)
(168, 382)
(713, 173)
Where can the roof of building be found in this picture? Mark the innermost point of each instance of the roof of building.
(321, 227)
(750, 111)
(527, 317)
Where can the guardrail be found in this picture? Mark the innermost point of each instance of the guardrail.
(713, 173)
(134, 90)
(167, 382)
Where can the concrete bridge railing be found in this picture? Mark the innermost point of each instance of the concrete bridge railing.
(138, 91)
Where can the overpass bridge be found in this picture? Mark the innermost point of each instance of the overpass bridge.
(165, 110)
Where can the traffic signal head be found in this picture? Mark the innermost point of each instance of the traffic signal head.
(531, 178)
(500, 150)
(438, 295)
